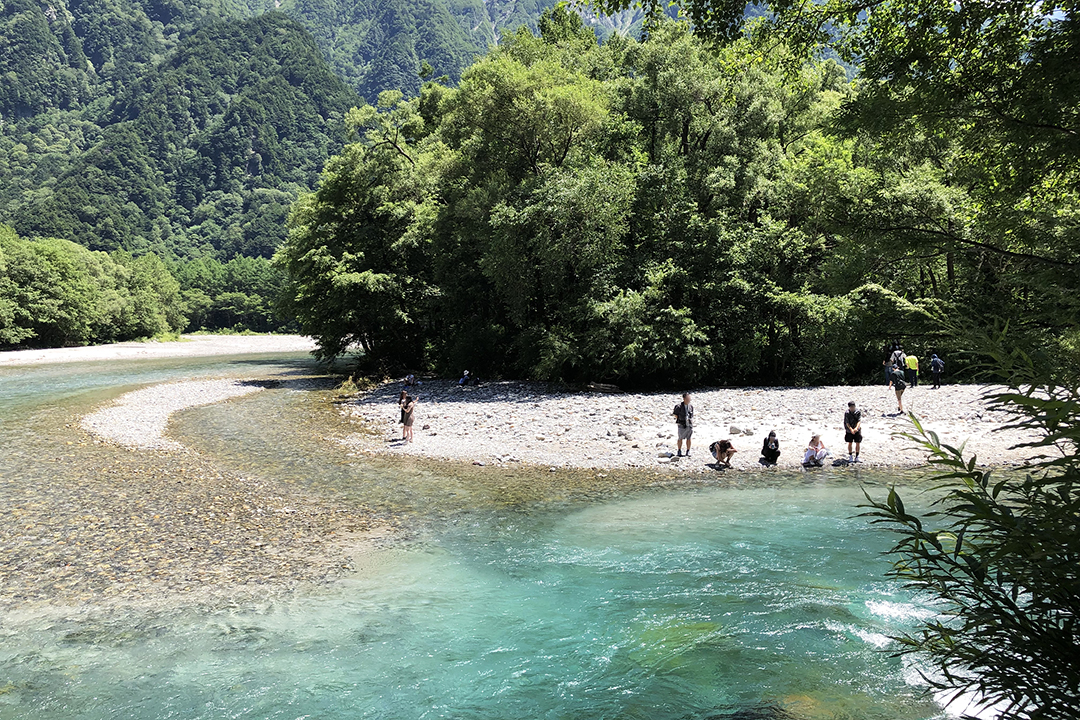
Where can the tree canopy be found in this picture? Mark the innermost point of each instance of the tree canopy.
(640, 212)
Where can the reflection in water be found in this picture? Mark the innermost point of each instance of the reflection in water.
(524, 598)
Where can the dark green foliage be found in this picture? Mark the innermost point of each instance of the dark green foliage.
(204, 151)
(42, 64)
(630, 212)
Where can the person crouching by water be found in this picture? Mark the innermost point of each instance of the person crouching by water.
(684, 419)
(408, 407)
(722, 450)
(815, 452)
(770, 449)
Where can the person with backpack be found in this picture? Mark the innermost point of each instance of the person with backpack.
(896, 357)
(899, 384)
(937, 366)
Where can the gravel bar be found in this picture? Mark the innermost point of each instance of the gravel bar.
(517, 422)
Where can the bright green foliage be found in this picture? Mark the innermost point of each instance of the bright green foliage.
(628, 211)
(968, 159)
(239, 294)
(54, 292)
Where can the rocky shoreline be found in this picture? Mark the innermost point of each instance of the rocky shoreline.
(115, 512)
(503, 423)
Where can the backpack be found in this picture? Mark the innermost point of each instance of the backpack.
(898, 380)
(937, 365)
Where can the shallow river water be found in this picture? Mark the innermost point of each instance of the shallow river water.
(763, 597)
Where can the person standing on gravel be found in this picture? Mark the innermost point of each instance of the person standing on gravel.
(684, 420)
(911, 370)
(853, 430)
(937, 365)
(408, 409)
(899, 384)
(410, 414)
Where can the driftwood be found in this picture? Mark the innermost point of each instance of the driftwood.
(604, 388)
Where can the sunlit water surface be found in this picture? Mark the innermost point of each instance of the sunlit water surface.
(712, 602)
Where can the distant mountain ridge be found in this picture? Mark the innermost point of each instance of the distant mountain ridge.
(188, 127)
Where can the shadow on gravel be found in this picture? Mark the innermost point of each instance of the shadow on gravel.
(504, 391)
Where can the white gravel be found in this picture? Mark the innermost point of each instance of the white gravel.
(510, 422)
(137, 419)
(187, 346)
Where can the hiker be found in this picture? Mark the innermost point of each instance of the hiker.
(937, 366)
(684, 419)
(899, 384)
(911, 370)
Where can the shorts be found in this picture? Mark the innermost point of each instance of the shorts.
(685, 432)
(853, 437)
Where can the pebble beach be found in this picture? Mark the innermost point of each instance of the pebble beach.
(503, 423)
(106, 508)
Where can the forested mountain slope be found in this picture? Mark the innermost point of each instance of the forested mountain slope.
(205, 150)
(187, 128)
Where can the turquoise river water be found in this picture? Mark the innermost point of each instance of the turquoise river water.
(760, 599)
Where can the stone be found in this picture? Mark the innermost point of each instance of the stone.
(735, 430)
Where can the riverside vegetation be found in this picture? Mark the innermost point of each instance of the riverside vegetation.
(667, 212)
(662, 212)
(186, 130)
(683, 208)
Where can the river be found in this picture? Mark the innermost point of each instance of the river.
(502, 595)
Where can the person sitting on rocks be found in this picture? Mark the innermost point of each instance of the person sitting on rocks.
(722, 450)
(815, 452)
(770, 449)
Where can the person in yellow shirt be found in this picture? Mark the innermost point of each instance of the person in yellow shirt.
(911, 370)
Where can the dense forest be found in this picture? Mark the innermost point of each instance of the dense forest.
(186, 130)
(569, 204)
(194, 157)
(653, 211)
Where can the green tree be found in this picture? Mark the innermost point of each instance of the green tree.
(626, 211)
(998, 556)
(355, 256)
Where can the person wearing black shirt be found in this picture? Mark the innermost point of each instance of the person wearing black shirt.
(684, 418)
(770, 449)
(853, 430)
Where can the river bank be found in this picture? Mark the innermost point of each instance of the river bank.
(187, 346)
(503, 423)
